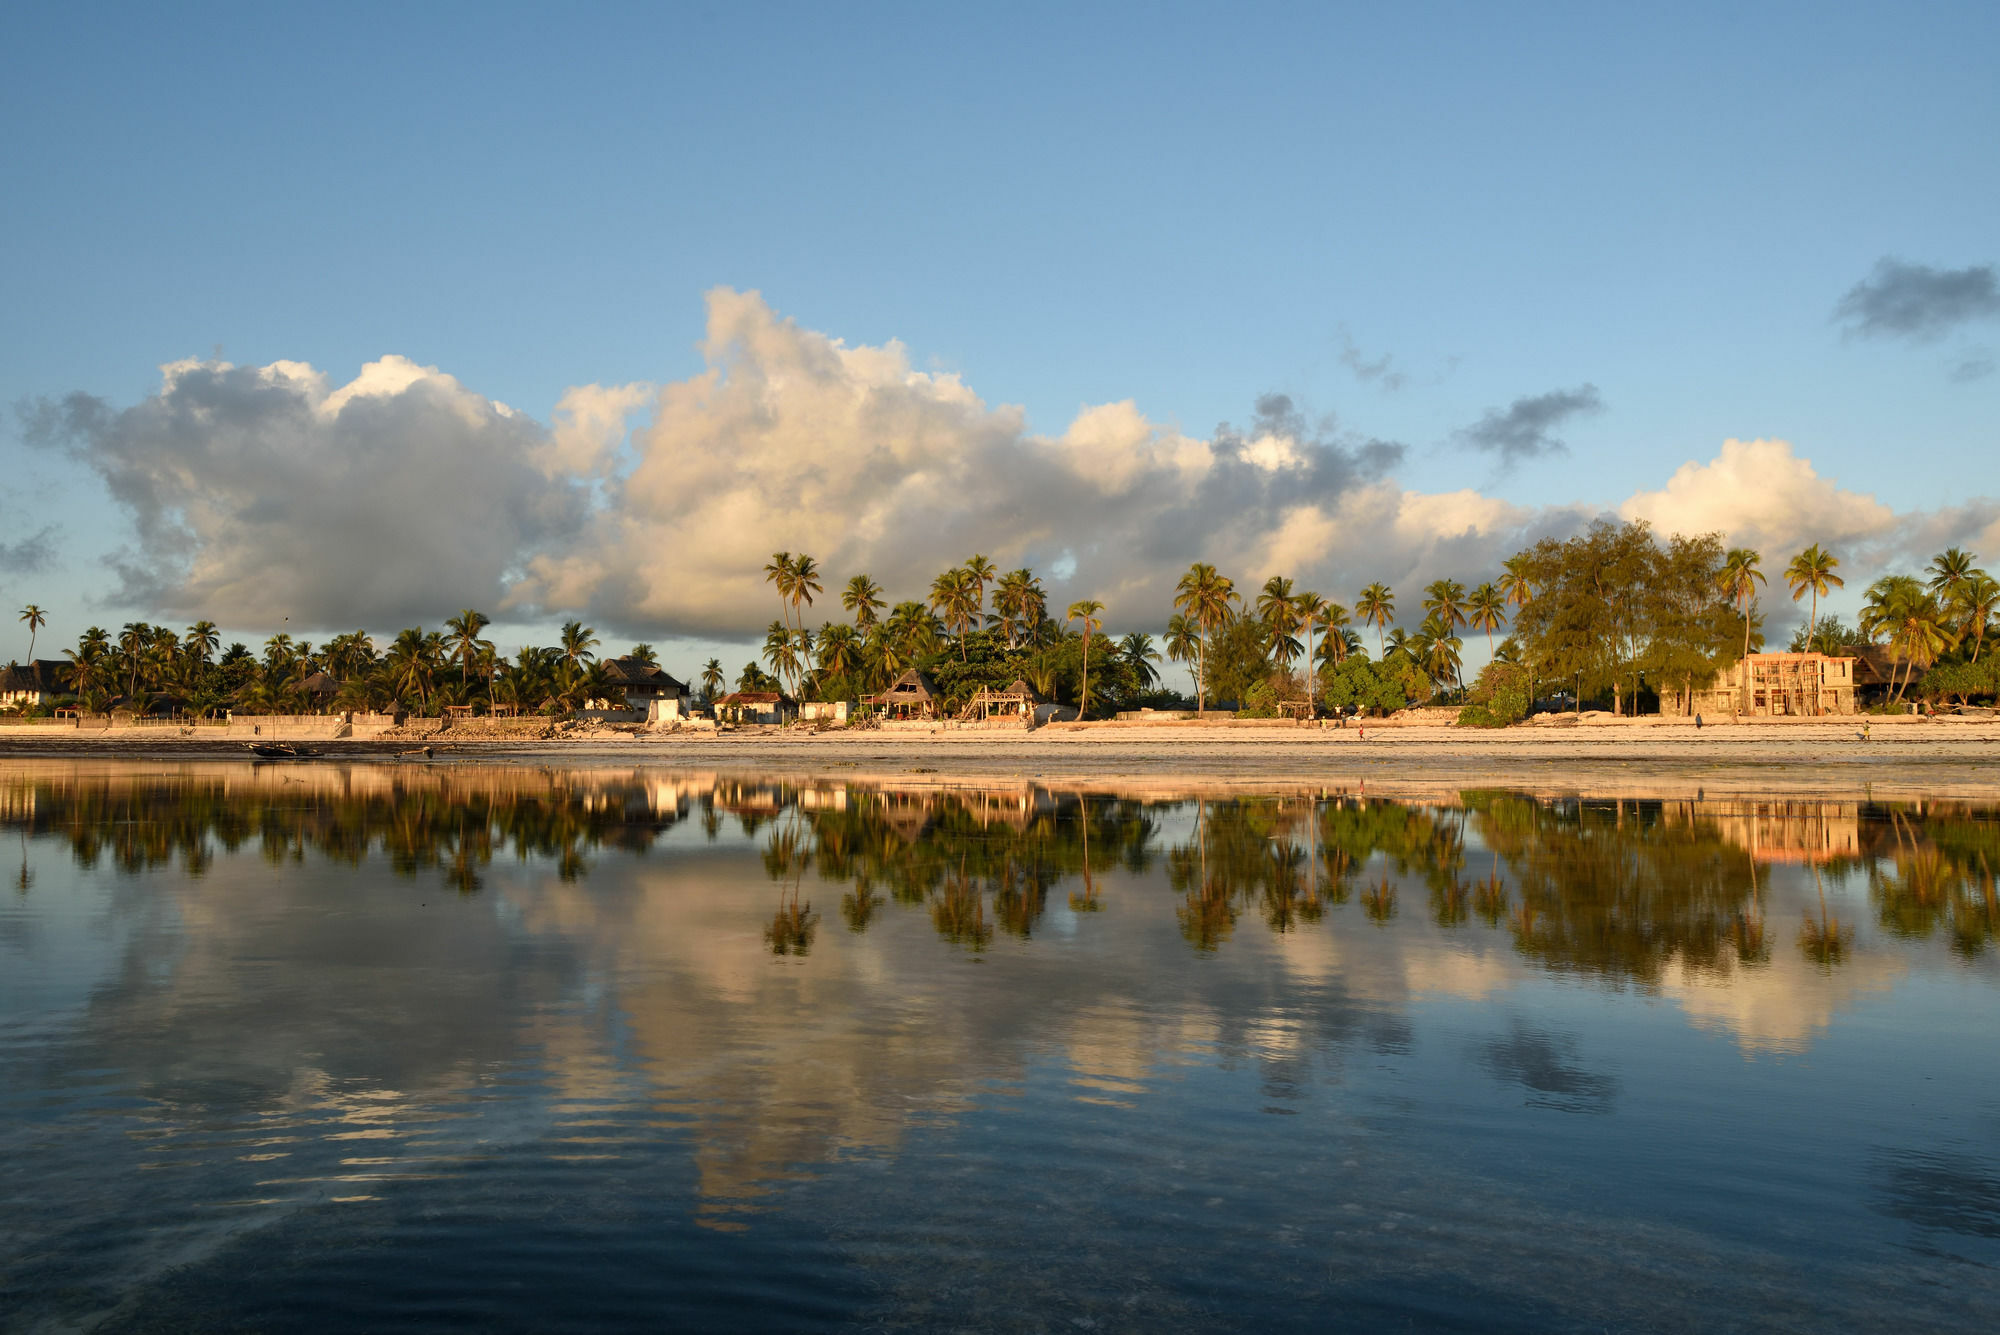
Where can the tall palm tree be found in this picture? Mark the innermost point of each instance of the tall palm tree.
(955, 599)
(1740, 578)
(1811, 571)
(1974, 602)
(1277, 611)
(1018, 603)
(36, 619)
(1949, 569)
(203, 639)
(1208, 599)
(1183, 639)
(805, 583)
(643, 652)
(778, 573)
(780, 653)
(409, 665)
(863, 599)
(1138, 651)
(578, 642)
(1086, 611)
(1486, 609)
(982, 573)
(1376, 606)
(1514, 580)
(712, 679)
(465, 641)
(1334, 645)
(1311, 608)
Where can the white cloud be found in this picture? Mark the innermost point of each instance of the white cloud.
(1758, 493)
(403, 495)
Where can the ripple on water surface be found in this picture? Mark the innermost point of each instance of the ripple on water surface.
(494, 1048)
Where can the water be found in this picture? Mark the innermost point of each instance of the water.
(378, 1047)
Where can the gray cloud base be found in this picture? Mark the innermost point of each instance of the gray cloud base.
(1918, 302)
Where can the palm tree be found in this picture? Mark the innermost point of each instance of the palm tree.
(982, 573)
(863, 599)
(712, 679)
(805, 583)
(1974, 602)
(1334, 645)
(409, 665)
(1018, 602)
(578, 641)
(1514, 584)
(644, 653)
(1139, 652)
(1486, 610)
(1740, 578)
(779, 652)
(778, 573)
(1444, 602)
(36, 619)
(1376, 606)
(1909, 616)
(1276, 609)
(1950, 569)
(1085, 611)
(1311, 608)
(1208, 599)
(1183, 639)
(955, 598)
(202, 640)
(1812, 571)
(465, 641)
(839, 651)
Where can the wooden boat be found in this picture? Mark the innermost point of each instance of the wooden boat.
(280, 751)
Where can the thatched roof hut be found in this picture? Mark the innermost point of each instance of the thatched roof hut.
(912, 695)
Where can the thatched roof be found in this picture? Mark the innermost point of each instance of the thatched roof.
(46, 675)
(750, 698)
(912, 688)
(1019, 686)
(320, 684)
(638, 672)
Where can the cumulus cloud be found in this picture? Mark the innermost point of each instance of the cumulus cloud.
(1916, 301)
(792, 439)
(1759, 493)
(258, 493)
(261, 493)
(1526, 428)
(1762, 494)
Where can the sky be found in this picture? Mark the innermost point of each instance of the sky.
(356, 316)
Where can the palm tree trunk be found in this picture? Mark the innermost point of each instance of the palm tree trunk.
(1083, 695)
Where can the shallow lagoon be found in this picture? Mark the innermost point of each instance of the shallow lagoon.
(495, 1047)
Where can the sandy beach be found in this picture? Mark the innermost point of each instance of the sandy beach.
(1956, 758)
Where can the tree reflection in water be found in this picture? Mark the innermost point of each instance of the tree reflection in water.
(1619, 888)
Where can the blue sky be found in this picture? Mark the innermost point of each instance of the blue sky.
(1187, 207)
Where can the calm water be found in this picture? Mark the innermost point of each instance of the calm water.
(378, 1047)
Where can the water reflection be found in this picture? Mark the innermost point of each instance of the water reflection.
(235, 989)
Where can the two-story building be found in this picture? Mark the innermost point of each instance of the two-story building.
(1776, 686)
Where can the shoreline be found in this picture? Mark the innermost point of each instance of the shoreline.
(1956, 758)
